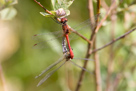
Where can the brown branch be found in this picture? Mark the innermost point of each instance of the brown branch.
(88, 54)
(97, 62)
(90, 46)
(110, 65)
(100, 24)
(104, 5)
(2, 78)
(47, 11)
(90, 7)
(84, 38)
(97, 70)
(113, 41)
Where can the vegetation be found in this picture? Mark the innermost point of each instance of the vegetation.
(113, 67)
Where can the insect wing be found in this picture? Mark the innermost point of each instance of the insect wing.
(80, 67)
(51, 72)
(51, 66)
(47, 40)
(84, 27)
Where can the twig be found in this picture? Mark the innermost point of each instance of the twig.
(2, 78)
(104, 5)
(97, 70)
(121, 37)
(90, 7)
(47, 11)
(80, 35)
(88, 54)
(96, 62)
(109, 85)
(100, 24)
(111, 52)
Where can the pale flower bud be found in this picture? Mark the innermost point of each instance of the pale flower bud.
(60, 12)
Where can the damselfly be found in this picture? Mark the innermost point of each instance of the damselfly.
(66, 30)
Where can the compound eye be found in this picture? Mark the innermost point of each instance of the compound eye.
(66, 20)
(63, 20)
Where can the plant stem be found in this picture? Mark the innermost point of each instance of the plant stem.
(2, 78)
(96, 58)
(113, 41)
(89, 51)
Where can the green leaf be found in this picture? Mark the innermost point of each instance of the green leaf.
(67, 4)
(57, 4)
(67, 12)
(8, 13)
(61, 4)
(14, 2)
(132, 8)
(6, 4)
(46, 14)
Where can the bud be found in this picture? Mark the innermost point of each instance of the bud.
(60, 12)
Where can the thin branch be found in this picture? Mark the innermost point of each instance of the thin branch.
(90, 8)
(47, 11)
(100, 24)
(104, 5)
(88, 54)
(110, 65)
(113, 41)
(97, 70)
(2, 78)
(80, 35)
(96, 58)
(90, 45)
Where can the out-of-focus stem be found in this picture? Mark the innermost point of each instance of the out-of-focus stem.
(113, 41)
(2, 78)
(90, 46)
(96, 58)
(97, 70)
(81, 36)
(110, 62)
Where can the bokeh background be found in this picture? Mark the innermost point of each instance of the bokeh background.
(20, 62)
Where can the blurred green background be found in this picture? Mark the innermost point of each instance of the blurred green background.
(20, 62)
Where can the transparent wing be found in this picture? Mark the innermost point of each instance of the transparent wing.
(91, 22)
(52, 65)
(84, 28)
(49, 74)
(46, 40)
(83, 59)
(40, 37)
(81, 67)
